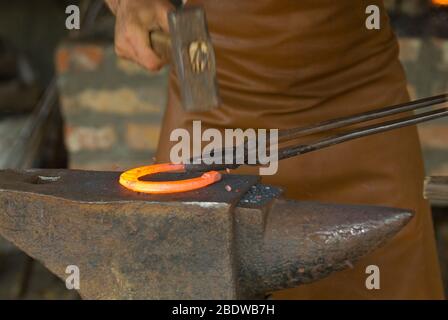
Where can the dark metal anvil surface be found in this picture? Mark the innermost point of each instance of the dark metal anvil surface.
(206, 244)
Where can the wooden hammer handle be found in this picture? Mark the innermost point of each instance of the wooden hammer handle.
(161, 44)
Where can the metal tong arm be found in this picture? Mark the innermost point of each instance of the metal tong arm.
(362, 132)
(292, 134)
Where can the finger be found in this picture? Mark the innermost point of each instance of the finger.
(132, 43)
(144, 55)
(123, 37)
(162, 10)
(123, 48)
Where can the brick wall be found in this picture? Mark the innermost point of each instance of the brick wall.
(112, 108)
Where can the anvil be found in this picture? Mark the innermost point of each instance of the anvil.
(214, 243)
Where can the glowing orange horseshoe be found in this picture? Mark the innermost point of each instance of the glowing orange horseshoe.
(131, 180)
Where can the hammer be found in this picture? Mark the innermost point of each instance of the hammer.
(188, 47)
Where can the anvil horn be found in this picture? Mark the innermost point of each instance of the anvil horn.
(205, 244)
(302, 242)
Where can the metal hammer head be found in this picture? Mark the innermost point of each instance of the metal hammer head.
(193, 57)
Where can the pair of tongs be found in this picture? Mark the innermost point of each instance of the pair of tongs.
(290, 135)
(131, 179)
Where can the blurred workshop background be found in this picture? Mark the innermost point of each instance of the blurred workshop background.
(67, 101)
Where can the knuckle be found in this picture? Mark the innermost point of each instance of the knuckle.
(153, 66)
(119, 51)
(122, 47)
(128, 36)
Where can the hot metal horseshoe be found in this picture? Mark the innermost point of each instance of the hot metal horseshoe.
(131, 180)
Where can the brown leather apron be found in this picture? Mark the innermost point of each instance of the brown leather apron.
(286, 63)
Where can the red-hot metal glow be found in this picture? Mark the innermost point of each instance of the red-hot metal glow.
(131, 180)
(440, 2)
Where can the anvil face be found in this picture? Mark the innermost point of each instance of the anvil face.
(204, 244)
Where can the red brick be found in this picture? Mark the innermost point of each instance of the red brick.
(142, 136)
(434, 136)
(88, 57)
(93, 165)
(89, 139)
(412, 92)
(119, 165)
(409, 49)
(62, 60)
(122, 101)
(441, 170)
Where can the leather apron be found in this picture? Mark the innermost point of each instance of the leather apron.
(288, 63)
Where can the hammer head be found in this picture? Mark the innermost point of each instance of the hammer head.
(194, 59)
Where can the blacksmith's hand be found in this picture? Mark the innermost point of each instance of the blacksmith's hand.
(134, 20)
